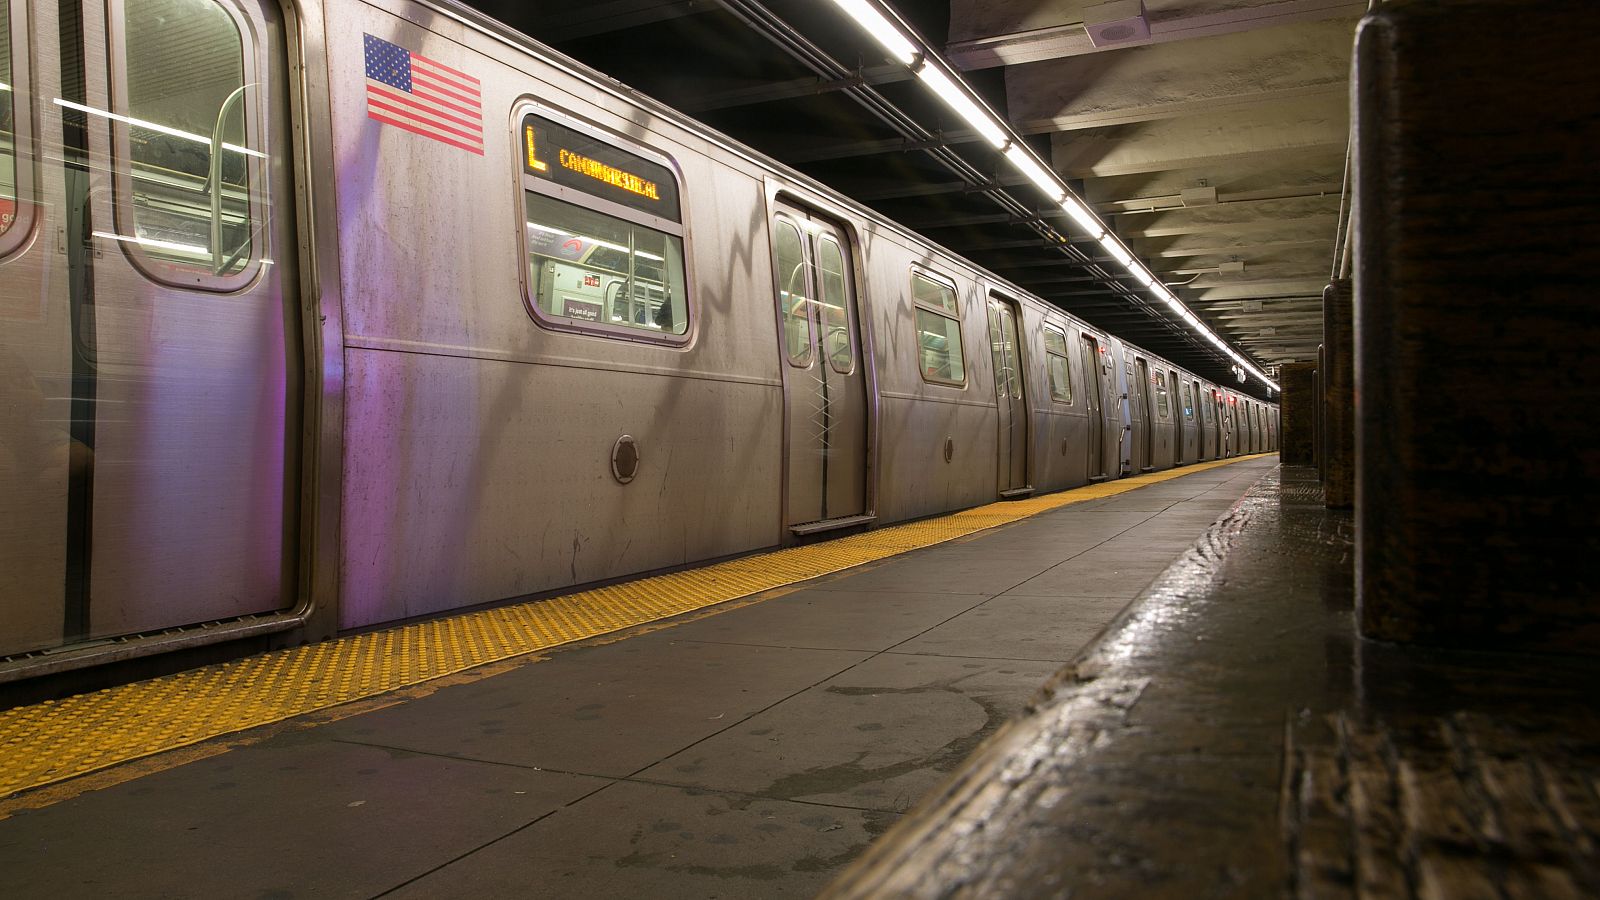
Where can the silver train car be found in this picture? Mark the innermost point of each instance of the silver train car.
(323, 315)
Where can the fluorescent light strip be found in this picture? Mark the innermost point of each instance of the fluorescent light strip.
(930, 69)
(1042, 178)
(160, 128)
(4, 86)
(532, 226)
(1117, 251)
(955, 98)
(881, 29)
(152, 242)
(1081, 214)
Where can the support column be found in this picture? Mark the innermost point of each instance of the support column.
(1298, 419)
(1338, 395)
(1319, 453)
(1477, 279)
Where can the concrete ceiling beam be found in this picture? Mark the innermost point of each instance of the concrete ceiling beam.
(1141, 84)
(1259, 214)
(1311, 257)
(1266, 289)
(1151, 204)
(1327, 223)
(1225, 306)
(1266, 272)
(1283, 172)
(1269, 320)
(993, 35)
(1311, 239)
(1267, 135)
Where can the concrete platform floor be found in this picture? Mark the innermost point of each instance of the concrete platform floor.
(1230, 736)
(751, 751)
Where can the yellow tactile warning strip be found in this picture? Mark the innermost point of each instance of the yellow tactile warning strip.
(53, 741)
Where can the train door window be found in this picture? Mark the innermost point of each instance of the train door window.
(1188, 403)
(15, 159)
(794, 298)
(191, 188)
(1162, 408)
(938, 321)
(833, 294)
(8, 154)
(1055, 354)
(603, 233)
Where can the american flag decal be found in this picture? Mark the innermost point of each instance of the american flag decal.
(410, 91)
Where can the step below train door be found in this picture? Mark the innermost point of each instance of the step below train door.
(165, 278)
(825, 384)
(1010, 398)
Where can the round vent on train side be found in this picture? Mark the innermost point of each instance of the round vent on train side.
(625, 459)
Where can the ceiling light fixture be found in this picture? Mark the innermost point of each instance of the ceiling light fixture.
(1081, 214)
(1043, 178)
(968, 109)
(908, 49)
(900, 48)
(1117, 251)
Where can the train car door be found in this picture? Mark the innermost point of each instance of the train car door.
(37, 456)
(825, 383)
(1175, 409)
(1094, 390)
(1235, 426)
(1224, 427)
(1010, 397)
(1189, 422)
(166, 185)
(1144, 400)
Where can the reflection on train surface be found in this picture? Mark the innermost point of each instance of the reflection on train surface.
(315, 318)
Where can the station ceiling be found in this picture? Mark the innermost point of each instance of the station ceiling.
(1215, 147)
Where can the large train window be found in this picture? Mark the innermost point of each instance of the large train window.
(1055, 354)
(191, 187)
(1188, 402)
(603, 234)
(938, 319)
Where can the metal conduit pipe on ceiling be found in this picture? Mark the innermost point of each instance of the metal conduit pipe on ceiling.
(763, 21)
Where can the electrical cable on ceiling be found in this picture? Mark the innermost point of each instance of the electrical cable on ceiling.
(906, 47)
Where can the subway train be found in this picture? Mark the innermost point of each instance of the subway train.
(324, 315)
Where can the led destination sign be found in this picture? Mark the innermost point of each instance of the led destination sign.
(600, 171)
(561, 155)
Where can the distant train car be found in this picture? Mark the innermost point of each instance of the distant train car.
(323, 315)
